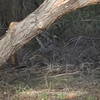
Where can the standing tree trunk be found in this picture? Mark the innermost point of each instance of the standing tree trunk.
(22, 32)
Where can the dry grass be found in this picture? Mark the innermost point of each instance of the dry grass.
(66, 86)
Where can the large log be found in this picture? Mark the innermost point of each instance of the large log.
(22, 32)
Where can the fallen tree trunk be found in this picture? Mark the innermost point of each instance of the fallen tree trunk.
(20, 33)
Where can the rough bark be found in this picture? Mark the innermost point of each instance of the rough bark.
(22, 32)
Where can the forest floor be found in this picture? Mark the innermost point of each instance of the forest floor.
(54, 85)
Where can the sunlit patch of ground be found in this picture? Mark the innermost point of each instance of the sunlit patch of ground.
(49, 95)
